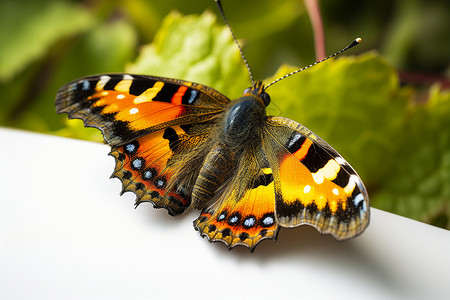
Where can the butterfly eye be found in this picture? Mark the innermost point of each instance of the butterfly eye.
(266, 98)
(247, 90)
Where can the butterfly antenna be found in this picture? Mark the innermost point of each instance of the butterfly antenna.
(352, 44)
(219, 5)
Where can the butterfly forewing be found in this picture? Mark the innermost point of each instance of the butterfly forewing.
(314, 185)
(125, 107)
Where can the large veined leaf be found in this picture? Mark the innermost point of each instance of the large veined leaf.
(195, 48)
(418, 185)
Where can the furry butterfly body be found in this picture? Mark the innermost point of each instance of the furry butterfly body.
(179, 144)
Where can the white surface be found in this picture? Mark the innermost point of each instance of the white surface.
(65, 233)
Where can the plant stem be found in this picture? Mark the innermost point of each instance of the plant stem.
(312, 6)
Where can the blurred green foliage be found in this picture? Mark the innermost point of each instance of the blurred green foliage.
(395, 130)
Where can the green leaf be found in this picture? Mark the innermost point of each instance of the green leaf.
(75, 129)
(195, 48)
(418, 185)
(107, 47)
(354, 103)
(26, 35)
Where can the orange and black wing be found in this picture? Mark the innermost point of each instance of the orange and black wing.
(147, 166)
(125, 107)
(244, 211)
(150, 123)
(314, 185)
(291, 178)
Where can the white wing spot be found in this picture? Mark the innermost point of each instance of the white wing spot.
(86, 85)
(318, 176)
(222, 217)
(331, 169)
(193, 96)
(120, 96)
(160, 183)
(294, 140)
(148, 174)
(340, 160)
(268, 221)
(335, 191)
(137, 163)
(233, 219)
(307, 189)
(133, 111)
(358, 198)
(102, 82)
(250, 222)
(352, 181)
(127, 77)
(130, 148)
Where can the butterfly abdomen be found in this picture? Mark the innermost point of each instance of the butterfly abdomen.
(215, 170)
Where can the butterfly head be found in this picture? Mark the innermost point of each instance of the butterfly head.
(258, 90)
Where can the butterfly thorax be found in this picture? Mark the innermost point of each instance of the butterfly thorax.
(244, 117)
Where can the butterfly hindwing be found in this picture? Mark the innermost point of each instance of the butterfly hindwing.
(314, 185)
(125, 107)
(143, 167)
(245, 221)
(243, 213)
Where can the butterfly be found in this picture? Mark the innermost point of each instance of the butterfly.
(179, 144)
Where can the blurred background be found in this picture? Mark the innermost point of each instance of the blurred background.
(47, 43)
